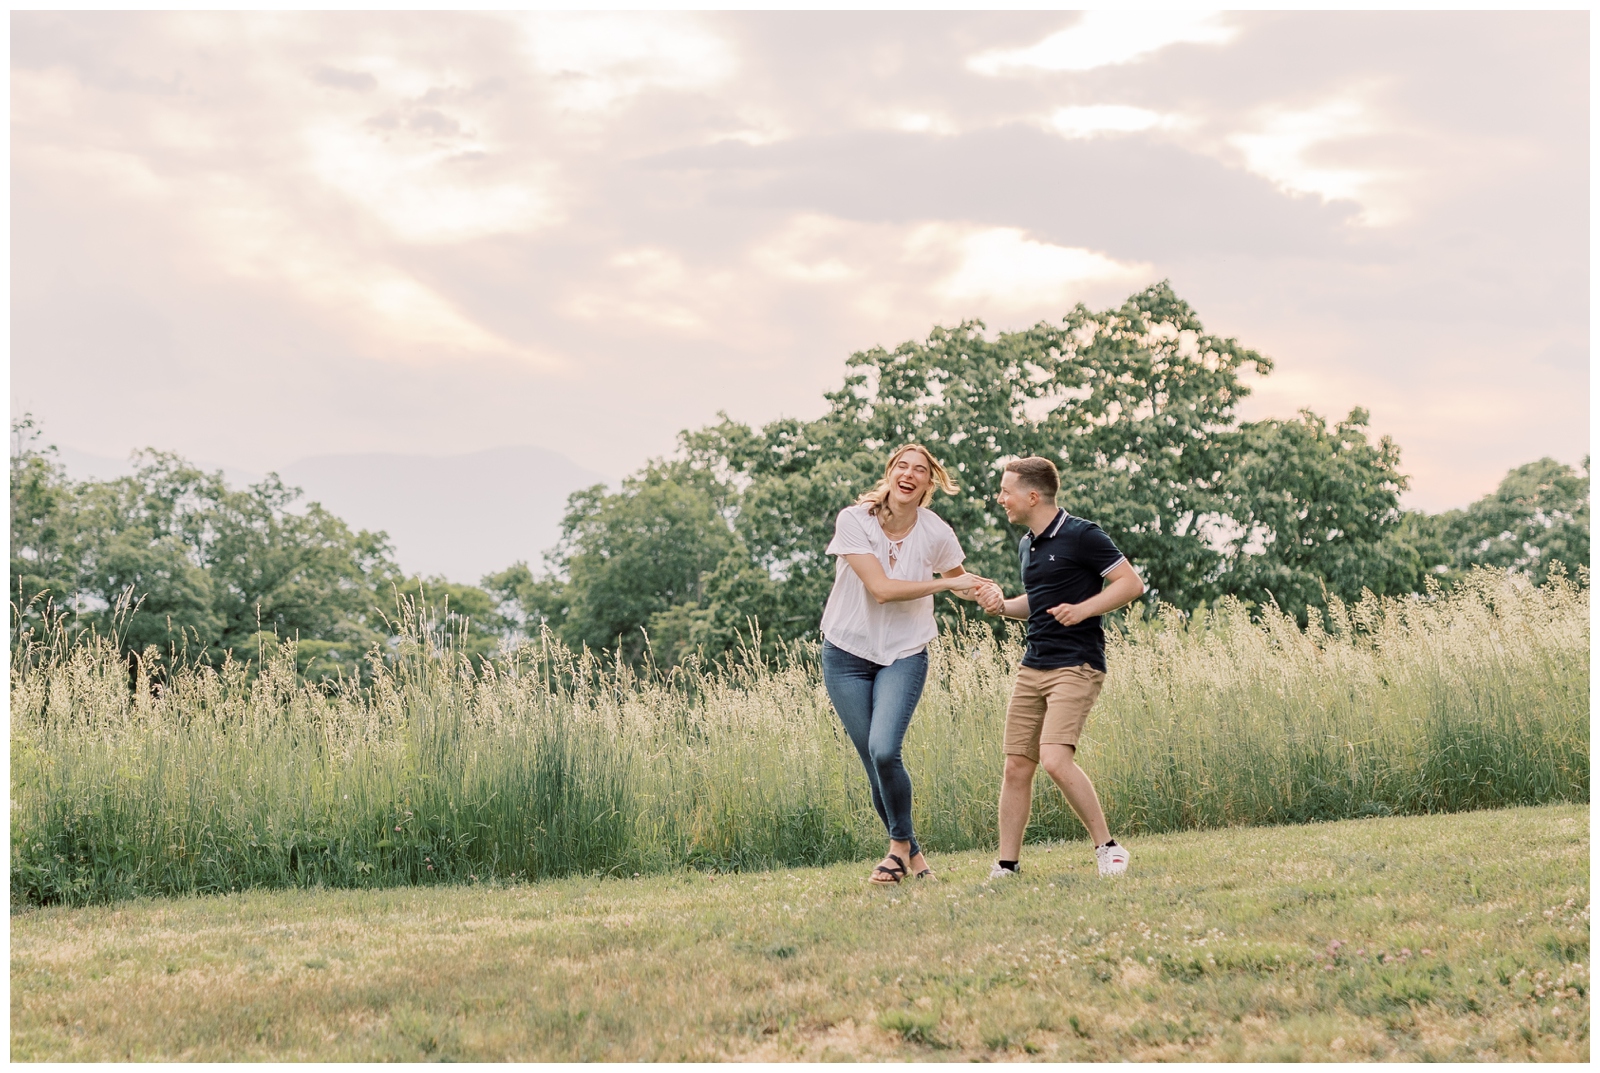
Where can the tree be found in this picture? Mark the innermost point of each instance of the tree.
(1311, 510)
(1537, 517)
(1137, 406)
(1144, 429)
(172, 557)
(633, 554)
(528, 603)
(44, 570)
(1134, 404)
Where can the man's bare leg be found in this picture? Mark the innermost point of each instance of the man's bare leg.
(1016, 798)
(1061, 765)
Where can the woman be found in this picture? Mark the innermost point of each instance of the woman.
(877, 625)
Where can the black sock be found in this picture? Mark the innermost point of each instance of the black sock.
(1010, 866)
(1107, 842)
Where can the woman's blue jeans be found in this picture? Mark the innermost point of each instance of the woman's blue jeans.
(875, 704)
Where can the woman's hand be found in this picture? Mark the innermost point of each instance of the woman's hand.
(963, 584)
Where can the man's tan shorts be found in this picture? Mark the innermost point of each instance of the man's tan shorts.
(1050, 707)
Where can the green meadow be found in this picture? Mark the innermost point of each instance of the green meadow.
(1445, 937)
(550, 763)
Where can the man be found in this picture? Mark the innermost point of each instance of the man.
(1072, 574)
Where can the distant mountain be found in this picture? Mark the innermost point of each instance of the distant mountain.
(460, 516)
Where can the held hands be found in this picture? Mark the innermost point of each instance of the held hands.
(964, 585)
(990, 598)
(993, 601)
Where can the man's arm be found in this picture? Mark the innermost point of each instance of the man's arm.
(1124, 587)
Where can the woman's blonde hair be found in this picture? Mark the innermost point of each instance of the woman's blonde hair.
(941, 479)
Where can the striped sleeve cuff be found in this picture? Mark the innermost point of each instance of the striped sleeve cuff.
(1113, 566)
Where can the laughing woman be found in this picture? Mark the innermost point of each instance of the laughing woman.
(877, 625)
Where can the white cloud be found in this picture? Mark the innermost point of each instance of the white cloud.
(1104, 38)
(656, 289)
(922, 123)
(1084, 121)
(424, 194)
(201, 174)
(385, 310)
(1284, 147)
(1002, 266)
(811, 248)
(598, 60)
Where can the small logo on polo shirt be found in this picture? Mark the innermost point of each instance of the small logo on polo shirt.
(1052, 558)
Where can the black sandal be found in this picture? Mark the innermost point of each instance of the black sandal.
(926, 873)
(894, 874)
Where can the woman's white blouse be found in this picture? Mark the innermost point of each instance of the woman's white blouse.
(860, 625)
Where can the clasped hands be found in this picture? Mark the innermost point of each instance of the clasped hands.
(987, 592)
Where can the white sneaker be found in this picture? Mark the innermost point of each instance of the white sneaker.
(1112, 858)
(1002, 873)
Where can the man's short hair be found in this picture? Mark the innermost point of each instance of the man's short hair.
(1036, 473)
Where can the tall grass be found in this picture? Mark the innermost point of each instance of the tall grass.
(550, 762)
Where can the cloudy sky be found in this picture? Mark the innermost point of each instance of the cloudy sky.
(255, 238)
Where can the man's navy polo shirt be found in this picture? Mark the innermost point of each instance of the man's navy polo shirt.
(1065, 564)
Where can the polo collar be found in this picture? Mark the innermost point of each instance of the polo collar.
(1061, 519)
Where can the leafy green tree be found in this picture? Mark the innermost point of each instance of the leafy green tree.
(635, 553)
(1134, 404)
(1312, 510)
(44, 568)
(528, 603)
(293, 574)
(1137, 406)
(1142, 427)
(1537, 517)
(172, 557)
(300, 574)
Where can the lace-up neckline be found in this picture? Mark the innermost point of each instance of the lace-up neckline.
(896, 544)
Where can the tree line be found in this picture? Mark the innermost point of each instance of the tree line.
(719, 546)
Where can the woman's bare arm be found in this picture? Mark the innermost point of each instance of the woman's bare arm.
(885, 589)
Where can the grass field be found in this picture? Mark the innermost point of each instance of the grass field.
(1455, 937)
(550, 763)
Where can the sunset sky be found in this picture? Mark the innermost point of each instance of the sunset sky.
(256, 238)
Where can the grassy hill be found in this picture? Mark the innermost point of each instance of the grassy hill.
(1455, 937)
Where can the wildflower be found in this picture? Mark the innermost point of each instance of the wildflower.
(397, 828)
(1426, 952)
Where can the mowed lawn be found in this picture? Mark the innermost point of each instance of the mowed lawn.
(1442, 937)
